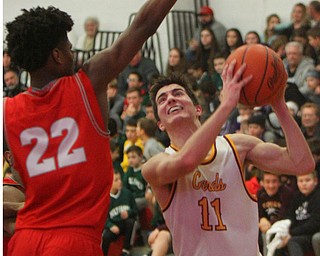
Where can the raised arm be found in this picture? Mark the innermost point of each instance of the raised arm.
(107, 64)
(164, 169)
(294, 159)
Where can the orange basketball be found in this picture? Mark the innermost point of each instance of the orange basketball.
(269, 74)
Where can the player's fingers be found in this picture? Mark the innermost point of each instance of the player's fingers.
(246, 80)
(239, 72)
(224, 72)
(230, 70)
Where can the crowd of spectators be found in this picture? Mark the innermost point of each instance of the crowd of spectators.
(133, 123)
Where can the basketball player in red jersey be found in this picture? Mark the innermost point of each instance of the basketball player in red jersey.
(57, 130)
(199, 180)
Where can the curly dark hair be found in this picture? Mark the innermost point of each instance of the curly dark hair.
(33, 34)
(174, 78)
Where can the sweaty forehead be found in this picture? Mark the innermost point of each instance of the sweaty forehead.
(167, 89)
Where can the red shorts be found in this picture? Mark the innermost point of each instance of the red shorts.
(58, 242)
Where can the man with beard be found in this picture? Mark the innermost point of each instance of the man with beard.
(12, 84)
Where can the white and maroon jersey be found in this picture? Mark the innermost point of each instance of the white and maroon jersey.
(60, 148)
(210, 212)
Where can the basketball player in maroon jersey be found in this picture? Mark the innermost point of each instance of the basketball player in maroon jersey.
(57, 130)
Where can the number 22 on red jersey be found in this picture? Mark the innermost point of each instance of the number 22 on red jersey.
(64, 156)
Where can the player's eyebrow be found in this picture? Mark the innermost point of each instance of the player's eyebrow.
(171, 91)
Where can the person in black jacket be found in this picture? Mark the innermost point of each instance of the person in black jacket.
(273, 202)
(304, 214)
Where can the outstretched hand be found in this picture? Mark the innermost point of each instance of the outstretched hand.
(233, 82)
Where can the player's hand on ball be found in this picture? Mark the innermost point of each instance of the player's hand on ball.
(233, 83)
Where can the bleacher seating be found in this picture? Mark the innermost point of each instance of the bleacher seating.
(180, 28)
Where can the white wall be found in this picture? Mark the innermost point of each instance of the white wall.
(249, 15)
(113, 15)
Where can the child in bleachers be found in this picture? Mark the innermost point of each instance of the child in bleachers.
(257, 128)
(219, 61)
(146, 130)
(121, 217)
(132, 139)
(304, 216)
(273, 200)
(133, 179)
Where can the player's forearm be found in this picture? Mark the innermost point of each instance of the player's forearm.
(199, 144)
(152, 14)
(297, 147)
(102, 67)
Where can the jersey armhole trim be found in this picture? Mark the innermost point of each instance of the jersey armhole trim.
(208, 159)
(99, 130)
(235, 152)
(172, 192)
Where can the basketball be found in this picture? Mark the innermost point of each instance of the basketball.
(269, 74)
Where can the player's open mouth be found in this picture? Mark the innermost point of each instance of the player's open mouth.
(173, 109)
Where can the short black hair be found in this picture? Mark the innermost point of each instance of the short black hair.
(134, 89)
(266, 172)
(131, 122)
(258, 119)
(219, 55)
(174, 78)
(135, 149)
(34, 34)
(314, 32)
(140, 78)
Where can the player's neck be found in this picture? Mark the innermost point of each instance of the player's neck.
(49, 72)
(41, 78)
(179, 136)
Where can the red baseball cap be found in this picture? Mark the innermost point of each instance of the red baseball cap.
(205, 10)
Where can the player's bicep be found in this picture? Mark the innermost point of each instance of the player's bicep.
(265, 156)
(270, 157)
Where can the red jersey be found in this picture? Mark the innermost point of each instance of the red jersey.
(7, 181)
(60, 147)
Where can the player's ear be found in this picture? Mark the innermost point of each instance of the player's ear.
(161, 126)
(198, 110)
(57, 55)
